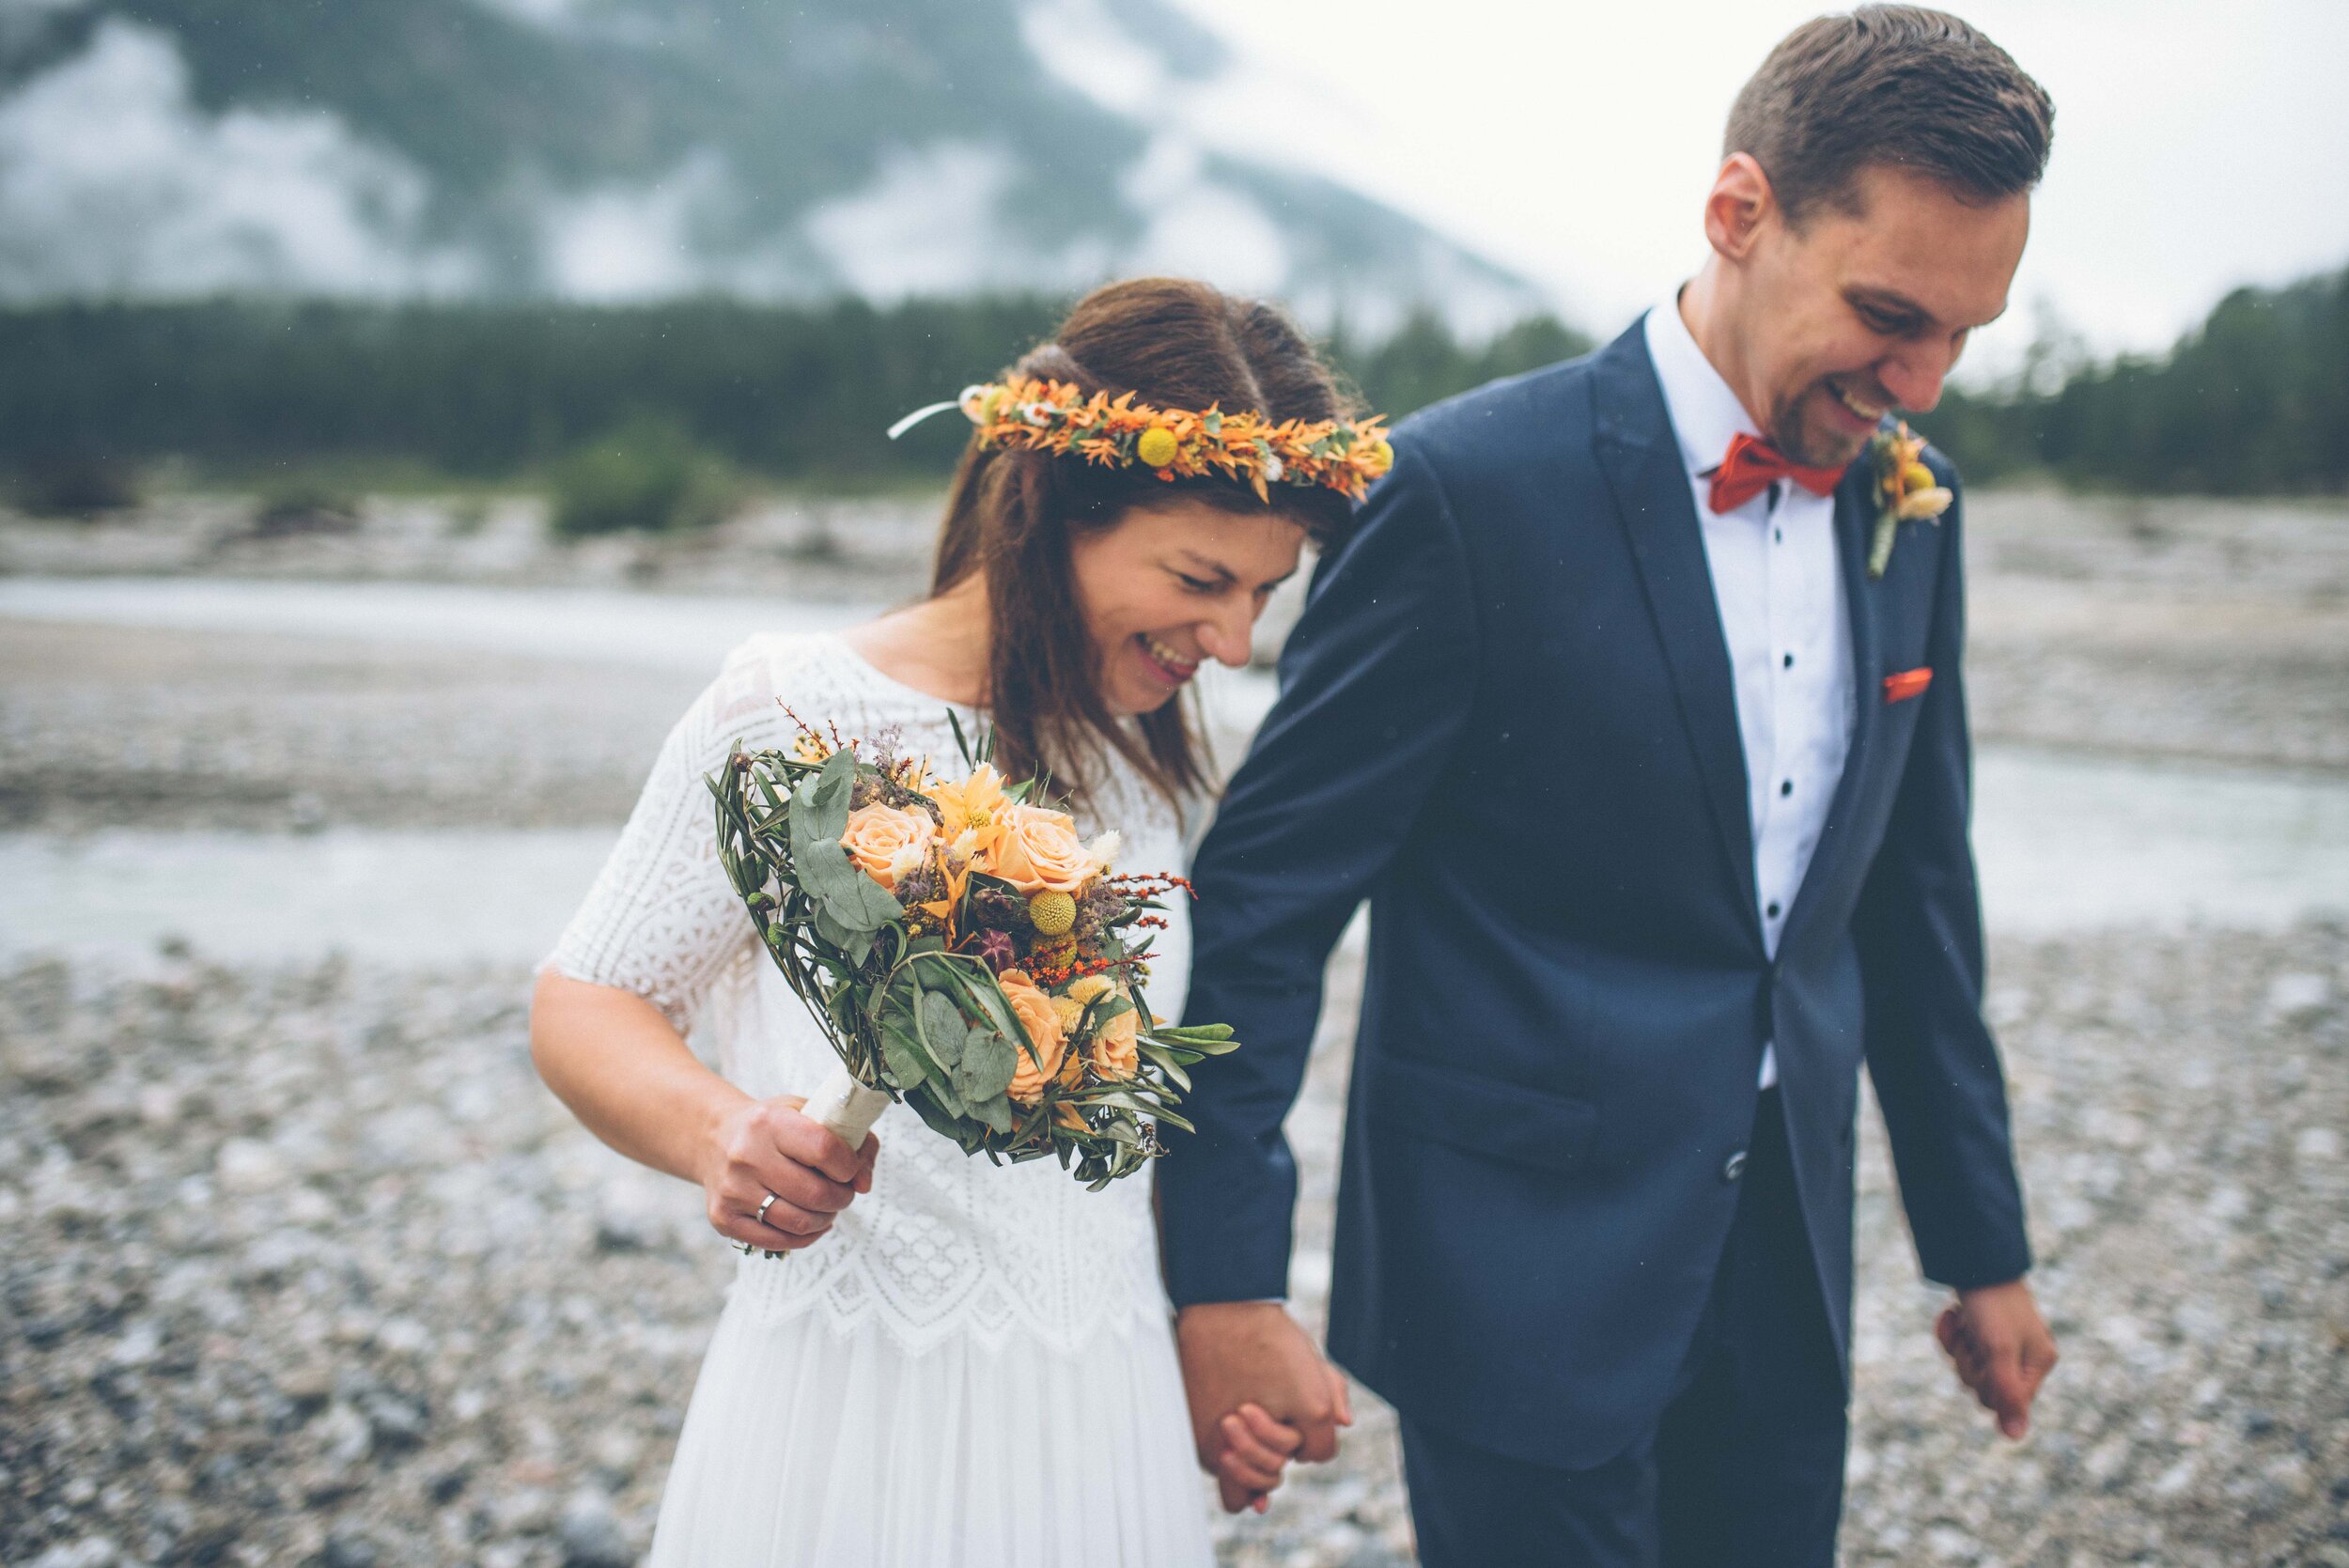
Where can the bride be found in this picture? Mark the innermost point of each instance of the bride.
(957, 1363)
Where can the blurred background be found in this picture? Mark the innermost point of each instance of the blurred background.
(404, 403)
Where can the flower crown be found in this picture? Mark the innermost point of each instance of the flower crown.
(1023, 413)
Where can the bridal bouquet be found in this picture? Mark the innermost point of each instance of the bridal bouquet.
(962, 950)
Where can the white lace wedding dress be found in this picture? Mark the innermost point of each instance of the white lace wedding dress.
(976, 1368)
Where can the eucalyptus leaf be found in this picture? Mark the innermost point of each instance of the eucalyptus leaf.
(988, 1065)
(862, 902)
(903, 1053)
(943, 1088)
(835, 782)
(942, 1029)
(983, 996)
(946, 1124)
(829, 930)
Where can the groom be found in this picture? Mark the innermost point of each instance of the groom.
(1659, 794)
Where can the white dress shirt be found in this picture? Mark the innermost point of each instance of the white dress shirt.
(1779, 589)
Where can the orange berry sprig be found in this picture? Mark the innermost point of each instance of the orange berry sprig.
(1149, 885)
(1054, 976)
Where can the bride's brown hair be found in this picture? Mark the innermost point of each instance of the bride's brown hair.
(1012, 514)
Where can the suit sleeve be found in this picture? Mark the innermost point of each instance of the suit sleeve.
(1375, 682)
(1918, 930)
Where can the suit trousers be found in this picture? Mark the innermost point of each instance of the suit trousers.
(1742, 1470)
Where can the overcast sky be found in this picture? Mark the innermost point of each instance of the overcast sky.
(2197, 145)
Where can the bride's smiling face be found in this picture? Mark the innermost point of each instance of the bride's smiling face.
(1171, 586)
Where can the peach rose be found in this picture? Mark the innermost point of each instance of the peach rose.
(1035, 1012)
(886, 842)
(1041, 852)
(1115, 1053)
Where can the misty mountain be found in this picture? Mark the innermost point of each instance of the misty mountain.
(625, 149)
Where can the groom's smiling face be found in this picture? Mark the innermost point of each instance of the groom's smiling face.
(1861, 307)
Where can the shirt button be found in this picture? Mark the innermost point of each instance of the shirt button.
(1772, 910)
(1734, 1166)
(1790, 661)
(1786, 787)
(1778, 535)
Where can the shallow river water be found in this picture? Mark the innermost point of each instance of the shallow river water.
(2066, 841)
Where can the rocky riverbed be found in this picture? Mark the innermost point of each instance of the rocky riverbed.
(299, 1264)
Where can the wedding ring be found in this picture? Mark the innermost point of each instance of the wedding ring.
(766, 1203)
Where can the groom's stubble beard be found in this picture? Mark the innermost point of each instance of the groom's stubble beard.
(1805, 438)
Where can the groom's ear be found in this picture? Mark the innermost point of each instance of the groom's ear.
(1740, 205)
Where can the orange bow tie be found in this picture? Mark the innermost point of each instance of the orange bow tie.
(1754, 465)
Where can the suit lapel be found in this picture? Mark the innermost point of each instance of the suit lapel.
(1653, 502)
(1854, 524)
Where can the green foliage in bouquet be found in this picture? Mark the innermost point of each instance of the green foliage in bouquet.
(904, 981)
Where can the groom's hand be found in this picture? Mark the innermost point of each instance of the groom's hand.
(1243, 1352)
(2001, 1349)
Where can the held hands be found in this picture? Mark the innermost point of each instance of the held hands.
(2001, 1349)
(763, 1146)
(1260, 1395)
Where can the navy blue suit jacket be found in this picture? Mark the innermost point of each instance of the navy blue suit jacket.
(1507, 718)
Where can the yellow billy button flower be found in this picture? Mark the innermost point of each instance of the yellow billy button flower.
(1158, 446)
(1909, 490)
(1053, 914)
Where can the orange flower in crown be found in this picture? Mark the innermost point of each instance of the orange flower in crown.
(1023, 413)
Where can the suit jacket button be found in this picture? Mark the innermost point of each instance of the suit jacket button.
(1734, 1166)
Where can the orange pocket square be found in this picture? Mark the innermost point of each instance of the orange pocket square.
(1898, 688)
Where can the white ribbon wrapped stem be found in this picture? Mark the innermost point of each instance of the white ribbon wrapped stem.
(845, 1106)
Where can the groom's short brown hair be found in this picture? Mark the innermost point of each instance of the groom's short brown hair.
(1898, 85)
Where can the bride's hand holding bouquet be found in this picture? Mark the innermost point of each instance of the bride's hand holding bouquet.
(776, 1178)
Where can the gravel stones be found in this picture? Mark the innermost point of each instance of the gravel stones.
(417, 1361)
(443, 1357)
(2180, 1137)
(590, 1533)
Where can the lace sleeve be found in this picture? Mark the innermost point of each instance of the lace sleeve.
(662, 919)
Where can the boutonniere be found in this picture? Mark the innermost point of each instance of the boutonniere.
(1905, 489)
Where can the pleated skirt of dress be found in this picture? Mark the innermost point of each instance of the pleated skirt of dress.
(811, 1446)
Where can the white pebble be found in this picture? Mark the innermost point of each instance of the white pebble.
(2299, 999)
(247, 1165)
